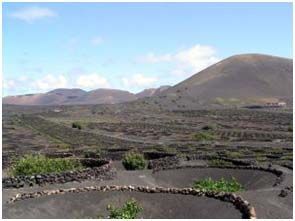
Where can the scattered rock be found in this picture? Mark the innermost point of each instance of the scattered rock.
(283, 193)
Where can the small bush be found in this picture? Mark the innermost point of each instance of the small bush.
(38, 164)
(289, 157)
(129, 210)
(277, 150)
(134, 161)
(208, 127)
(204, 136)
(63, 146)
(221, 185)
(290, 128)
(76, 125)
(233, 155)
(219, 163)
(92, 153)
(260, 158)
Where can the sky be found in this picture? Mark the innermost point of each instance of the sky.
(132, 46)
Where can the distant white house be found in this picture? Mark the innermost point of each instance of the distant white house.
(282, 104)
(276, 104)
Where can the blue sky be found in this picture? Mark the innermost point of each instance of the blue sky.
(132, 46)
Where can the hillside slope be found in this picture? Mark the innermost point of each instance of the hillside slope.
(236, 81)
(105, 96)
(63, 96)
(151, 91)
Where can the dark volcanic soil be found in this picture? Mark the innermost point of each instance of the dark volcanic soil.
(250, 179)
(262, 137)
(93, 204)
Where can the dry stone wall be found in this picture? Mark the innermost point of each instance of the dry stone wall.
(242, 205)
(97, 171)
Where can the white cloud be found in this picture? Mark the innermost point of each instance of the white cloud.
(9, 84)
(138, 80)
(186, 62)
(49, 82)
(32, 14)
(92, 81)
(96, 41)
(23, 78)
(198, 57)
(12, 84)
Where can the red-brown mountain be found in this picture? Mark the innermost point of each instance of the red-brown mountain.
(64, 96)
(152, 91)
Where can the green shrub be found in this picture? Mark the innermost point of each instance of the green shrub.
(276, 150)
(290, 128)
(208, 127)
(259, 151)
(134, 161)
(92, 153)
(204, 136)
(38, 164)
(260, 158)
(221, 185)
(165, 149)
(219, 163)
(129, 210)
(289, 157)
(233, 154)
(63, 146)
(76, 125)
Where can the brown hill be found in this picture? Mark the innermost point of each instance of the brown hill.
(151, 92)
(71, 96)
(54, 97)
(105, 96)
(236, 81)
(64, 96)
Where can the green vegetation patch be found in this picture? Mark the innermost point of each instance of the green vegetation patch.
(227, 101)
(76, 125)
(165, 149)
(219, 163)
(38, 164)
(209, 127)
(276, 150)
(288, 157)
(221, 185)
(95, 153)
(233, 154)
(63, 146)
(134, 161)
(204, 136)
(259, 158)
(129, 210)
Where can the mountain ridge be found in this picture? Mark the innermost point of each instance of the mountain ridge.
(235, 81)
(61, 96)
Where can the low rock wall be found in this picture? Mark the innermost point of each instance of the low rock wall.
(280, 175)
(102, 172)
(242, 205)
(158, 164)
